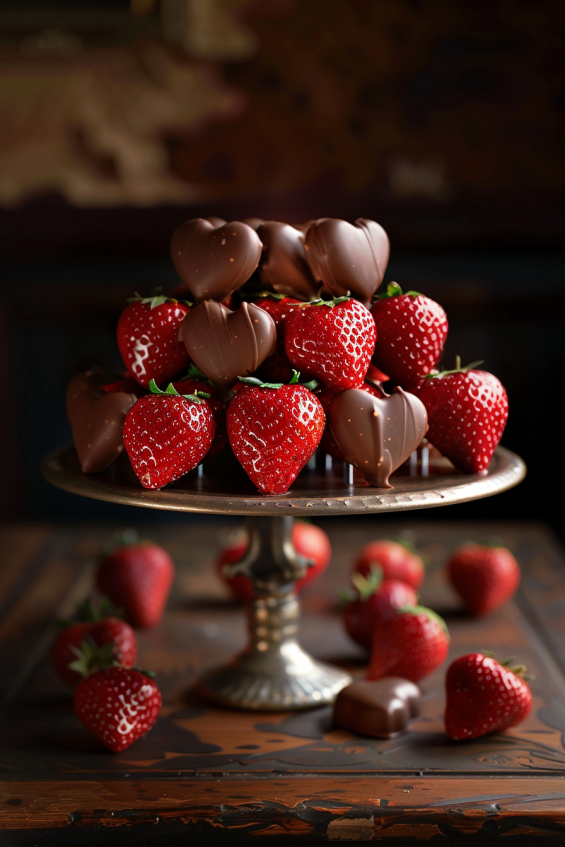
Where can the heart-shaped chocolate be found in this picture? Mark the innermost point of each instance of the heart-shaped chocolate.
(283, 264)
(348, 257)
(377, 434)
(213, 261)
(226, 344)
(96, 419)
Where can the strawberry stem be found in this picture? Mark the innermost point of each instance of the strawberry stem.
(258, 383)
(331, 303)
(457, 369)
(156, 298)
(172, 392)
(394, 290)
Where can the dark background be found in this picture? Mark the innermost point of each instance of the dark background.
(442, 120)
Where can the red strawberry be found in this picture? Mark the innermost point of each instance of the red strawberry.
(411, 644)
(127, 384)
(166, 435)
(308, 540)
(86, 637)
(273, 430)
(279, 307)
(485, 577)
(196, 383)
(375, 599)
(467, 412)
(411, 332)
(397, 560)
(118, 706)
(325, 396)
(148, 338)
(484, 696)
(332, 340)
(138, 578)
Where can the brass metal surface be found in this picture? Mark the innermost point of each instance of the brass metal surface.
(224, 488)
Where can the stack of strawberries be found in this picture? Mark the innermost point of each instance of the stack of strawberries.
(277, 341)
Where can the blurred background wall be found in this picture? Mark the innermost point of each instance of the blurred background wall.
(441, 119)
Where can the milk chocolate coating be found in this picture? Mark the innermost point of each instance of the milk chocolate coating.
(380, 708)
(226, 344)
(347, 257)
(213, 261)
(96, 419)
(283, 263)
(377, 435)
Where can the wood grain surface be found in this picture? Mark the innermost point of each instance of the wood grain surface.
(205, 774)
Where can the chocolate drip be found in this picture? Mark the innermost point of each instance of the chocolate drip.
(377, 435)
(348, 257)
(226, 344)
(379, 709)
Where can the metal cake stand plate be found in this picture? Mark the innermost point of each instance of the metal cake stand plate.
(274, 672)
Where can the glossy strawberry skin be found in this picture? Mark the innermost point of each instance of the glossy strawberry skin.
(411, 332)
(278, 308)
(467, 413)
(396, 561)
(308, 540)
(361, 616)
(482, 697)
(117, 706)
(484, 577)
(191, 386)
(408, 645)
(108, 630)
(334, 343)
(325, 396)
(149, 343)
(138, 579)
(273, 432)
(166, 436)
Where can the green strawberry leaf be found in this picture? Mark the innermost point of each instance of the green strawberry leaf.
(91, 658)
(394, 290)
(258, 383)
(172, 392)
(456, 370)
(156, 298)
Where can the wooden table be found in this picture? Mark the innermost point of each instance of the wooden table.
(204, 774)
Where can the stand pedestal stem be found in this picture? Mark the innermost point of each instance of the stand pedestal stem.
(274, 672)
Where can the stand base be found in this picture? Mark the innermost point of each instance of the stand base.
(301, 683)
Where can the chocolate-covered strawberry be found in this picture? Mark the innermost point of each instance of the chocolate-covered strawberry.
(167, 434)
(273, 430)
(333, 340)
(283, 264)
(325, 396)
(148, 338)
(467, 413)
(411, 332)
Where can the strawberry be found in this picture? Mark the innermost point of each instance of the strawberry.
(484, 576)
(87, 633)
(325, 396)
(166, 434)
(127, 384)
(333, 340)
(467, 412)
(137, 576)
(148, 338)
(398, 560)
(411, 644)
(277, 305)
(375, 599)
(308, 540)
(117, 705)
(484, 696)
(197, 383)
(411, 332)
(273, 430)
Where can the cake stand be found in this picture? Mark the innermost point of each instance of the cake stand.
(274, 672)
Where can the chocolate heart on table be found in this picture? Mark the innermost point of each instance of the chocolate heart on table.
(348, 257)
(283, 263)
(213, 261)
(96, 419)
(226, 344)
(379, 708)
(377, 434)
